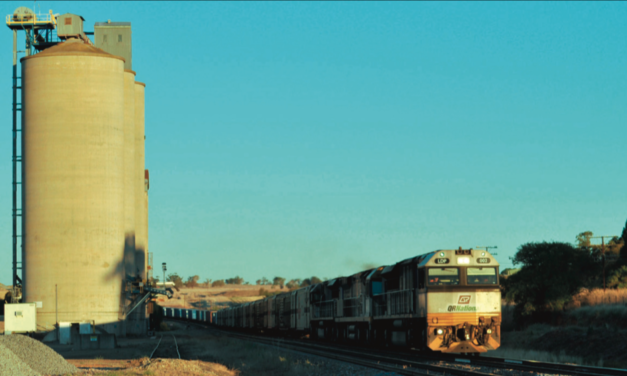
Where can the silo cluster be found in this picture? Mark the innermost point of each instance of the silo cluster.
(85, 198)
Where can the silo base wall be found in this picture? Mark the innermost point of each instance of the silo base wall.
(136, 322)
(46, 322)
(136, 327)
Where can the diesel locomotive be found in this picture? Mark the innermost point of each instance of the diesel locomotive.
(447, 301)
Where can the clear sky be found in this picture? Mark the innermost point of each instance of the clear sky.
(299, 139)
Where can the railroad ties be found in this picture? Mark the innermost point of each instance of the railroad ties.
(167, 348)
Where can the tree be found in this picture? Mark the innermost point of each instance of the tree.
(617, 278)
(550, 275)
(310, 281)
(218, 283)
(623, 250)
(178, 282)
(583, 239)
(293, 284)
(278, 281)
(192, 281)
(234, 281)
(265, 281)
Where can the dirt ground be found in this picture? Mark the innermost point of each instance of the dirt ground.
(204, 352)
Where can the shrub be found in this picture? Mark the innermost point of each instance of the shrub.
(218, 283)
(551, 274)
(618, 278)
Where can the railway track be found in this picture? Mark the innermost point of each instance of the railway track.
(414, 362)
(501, 363)
(167, 348)
(355, 356)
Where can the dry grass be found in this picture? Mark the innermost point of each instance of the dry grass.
(213, 297)
(169, 367)
(598, 308)
(599, 297)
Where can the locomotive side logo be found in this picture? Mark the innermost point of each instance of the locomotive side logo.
(464, 299)
(463, 305)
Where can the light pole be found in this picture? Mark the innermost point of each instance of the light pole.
(164, 269)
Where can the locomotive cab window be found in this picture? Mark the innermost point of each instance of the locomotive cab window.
(481, 276)
(443, 276)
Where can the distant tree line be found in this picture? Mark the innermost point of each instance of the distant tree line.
(192, 282)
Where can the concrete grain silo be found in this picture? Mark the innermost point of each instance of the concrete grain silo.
(74, 221)
(129, 173)
(141, 209)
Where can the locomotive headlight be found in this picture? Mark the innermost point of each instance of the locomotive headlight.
(489, 331)
(440, 332)
(463, 260)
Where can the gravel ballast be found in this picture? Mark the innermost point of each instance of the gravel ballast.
(39, 357)
(10, 364)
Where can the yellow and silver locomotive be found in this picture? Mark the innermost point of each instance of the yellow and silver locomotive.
(447, 301)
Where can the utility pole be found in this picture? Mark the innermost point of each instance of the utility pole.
(603, 252)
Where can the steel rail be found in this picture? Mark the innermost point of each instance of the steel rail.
(546, 366)
(385, 363)
(177, 346)
(502, 363)
(395, 364)
(157, 347)
(153, 351)
(521, 365)
(494, 362)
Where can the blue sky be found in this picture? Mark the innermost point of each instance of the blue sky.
(300, 139)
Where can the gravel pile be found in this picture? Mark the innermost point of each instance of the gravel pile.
(37, 356)
(10, 364)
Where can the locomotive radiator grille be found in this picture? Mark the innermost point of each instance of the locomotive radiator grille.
(393, 303)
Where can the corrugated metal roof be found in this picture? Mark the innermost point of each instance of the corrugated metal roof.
(73, 47)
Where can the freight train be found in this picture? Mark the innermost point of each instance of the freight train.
(447, 301)
(195, 315)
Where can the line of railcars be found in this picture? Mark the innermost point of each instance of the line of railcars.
(195, 315)
(447, 301)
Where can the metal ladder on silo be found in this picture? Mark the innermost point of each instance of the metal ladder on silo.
(36, 23)
(16, 158)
